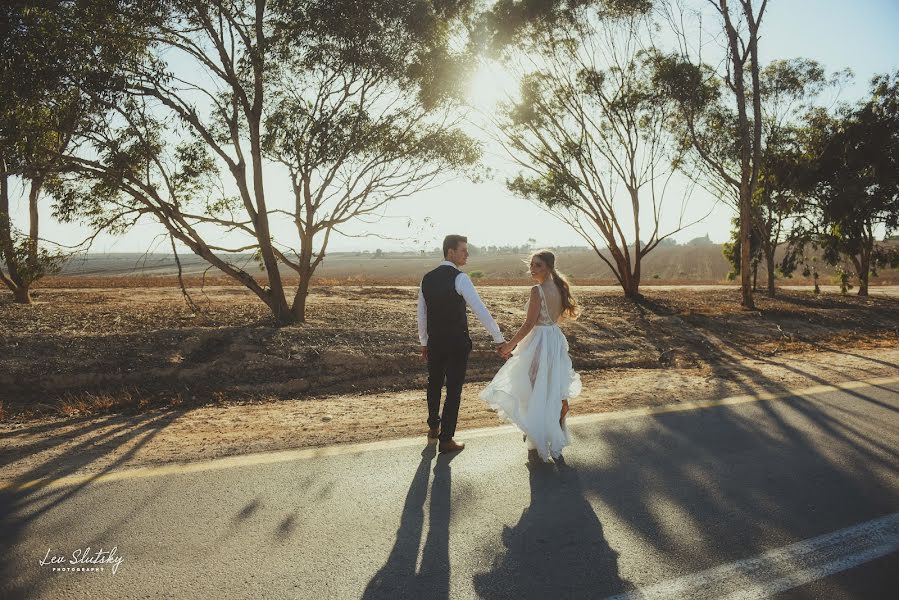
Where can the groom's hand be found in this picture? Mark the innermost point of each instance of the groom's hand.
(424, 354)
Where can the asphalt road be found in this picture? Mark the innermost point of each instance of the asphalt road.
(793, 497)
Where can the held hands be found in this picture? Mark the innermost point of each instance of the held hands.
(505, 349)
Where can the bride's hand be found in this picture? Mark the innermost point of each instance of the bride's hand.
(506, 350)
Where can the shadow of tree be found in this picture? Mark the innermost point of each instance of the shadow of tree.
(792, 314)
(702, 485)
(30, 495)
(831, 301)
(781, 467)
(732, 482)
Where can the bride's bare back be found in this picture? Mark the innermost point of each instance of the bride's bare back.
(553, 297)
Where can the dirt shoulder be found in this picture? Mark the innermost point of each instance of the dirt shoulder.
(97, 379)
(88, 352)
(54, 447)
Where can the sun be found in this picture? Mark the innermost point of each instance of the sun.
(489, 86)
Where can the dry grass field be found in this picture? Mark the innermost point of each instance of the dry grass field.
(80, 351)
(129, 376)
(685, 264)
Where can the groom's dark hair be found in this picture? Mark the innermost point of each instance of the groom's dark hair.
(452, 242)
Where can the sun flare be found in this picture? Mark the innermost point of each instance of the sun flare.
(490, 86)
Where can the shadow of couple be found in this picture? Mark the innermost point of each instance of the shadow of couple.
(556, 550)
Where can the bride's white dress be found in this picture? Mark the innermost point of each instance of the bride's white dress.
(529, 388)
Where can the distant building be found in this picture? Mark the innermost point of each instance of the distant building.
(701, 241)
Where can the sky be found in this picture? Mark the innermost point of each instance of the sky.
(860, 35)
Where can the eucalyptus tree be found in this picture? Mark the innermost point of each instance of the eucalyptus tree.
(790, 89)
(851, 183)
(55, 58)
(732, 163)
(589, 131)
(355, 105)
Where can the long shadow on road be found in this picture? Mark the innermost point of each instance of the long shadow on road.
(398, 577)
(699, 487)
(558, 548)
(28, 498)
(702, 488)
(709, 487)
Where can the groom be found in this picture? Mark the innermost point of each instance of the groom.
(443, 333)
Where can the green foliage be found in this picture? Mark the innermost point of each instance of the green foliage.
(519, 22)
(732, 248)
(794, 80)
(341, 100)
(59, 67)
(73, 52)
(842, 277)
(588, 129)
(408, 41)
(700, 119)
(556, 188)
(852, 181)
(692, 87)
(30, 265)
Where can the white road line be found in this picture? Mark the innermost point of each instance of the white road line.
(784, 568)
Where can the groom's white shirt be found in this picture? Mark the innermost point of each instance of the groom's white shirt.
(465, 288)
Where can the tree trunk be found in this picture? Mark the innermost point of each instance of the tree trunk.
(746, 168)
(635, 277)
(632, 288)
(278, 299)
(33, 195)
(864, 270)
(22, 294)
(298, 310)
(753, 47)
(15, 282)
(622, 267)
(747, 300)
(769, 265)
(189, 237)
(630, 281)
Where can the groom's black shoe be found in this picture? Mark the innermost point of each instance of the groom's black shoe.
(451, 446)
(433, 433)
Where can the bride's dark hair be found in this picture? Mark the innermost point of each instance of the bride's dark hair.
(569, 304)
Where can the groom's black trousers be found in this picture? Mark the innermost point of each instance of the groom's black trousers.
(447, 362)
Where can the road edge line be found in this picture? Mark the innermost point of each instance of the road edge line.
(277, 456)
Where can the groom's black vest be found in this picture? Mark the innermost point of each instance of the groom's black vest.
(447, 318)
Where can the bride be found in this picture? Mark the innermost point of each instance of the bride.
(533, 388)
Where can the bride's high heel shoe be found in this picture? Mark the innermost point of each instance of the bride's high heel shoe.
(564, 412)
